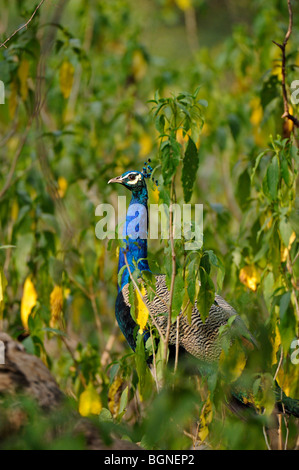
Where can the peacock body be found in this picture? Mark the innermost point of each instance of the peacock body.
(198, 338)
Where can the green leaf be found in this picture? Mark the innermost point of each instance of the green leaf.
(219, 265)
(285, 230)
(192, 279)
(49, 223)
(160, 123)
(257, 162)
(206, 294)
(294, 220)
(54, 331)
(120, 274)
(150, 283)
(143, 372)
(273, 177)
(123, 400)
(284, 304)
(243, 189)
(285, 172)
(56, 268)
(22, 252)
(170, 156)
(205, 262)
(270, 90)
(203, 103)
(178, 295)
(190, 167)
(234, 124)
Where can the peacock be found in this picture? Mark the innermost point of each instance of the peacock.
(196, 338)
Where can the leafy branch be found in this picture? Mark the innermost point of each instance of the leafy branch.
(23, 26)
(286, 114)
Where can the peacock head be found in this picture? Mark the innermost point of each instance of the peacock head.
(134, 180)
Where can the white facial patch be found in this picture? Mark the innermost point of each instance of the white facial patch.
(137, 178)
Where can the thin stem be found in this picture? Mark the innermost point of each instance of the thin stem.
(154, 371)
(286, 114)
(266, 438)
(23, 26)
(173, 273)
(76, 363)
(105, 356)
(279, 365)
(177, 343)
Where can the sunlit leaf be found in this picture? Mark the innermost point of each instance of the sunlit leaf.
(141, 310)
(66, 78)
(90, 402)
(56, 304)
(23, 73)
(28, 302)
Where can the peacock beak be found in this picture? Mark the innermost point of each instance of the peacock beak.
(118, 179)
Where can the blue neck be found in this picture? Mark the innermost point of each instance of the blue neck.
(135, 229)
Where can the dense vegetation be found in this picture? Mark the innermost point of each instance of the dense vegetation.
(96, 88)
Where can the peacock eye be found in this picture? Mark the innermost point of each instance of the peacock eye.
(132, 177)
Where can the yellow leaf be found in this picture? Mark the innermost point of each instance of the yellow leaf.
(139, 65)
(78, 304)
(66, 78)
(67, 293)
(256, 111)
(232, 364)
(146, 145)
(114, 395)
(29, 300)
(14, 210)
(155, 195)
(182, 137)
(184, 4)
(62, 186)
(285, 251)
(206, 417)
(276, 67)
(249, 277)
(288, 124)
(56, 304)
(276, 341)
(141, 310)
(13, 143)
(291, 240)
(23, 73)
(288, 379)
(3, 284)
(89, 402)
(203, 433)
